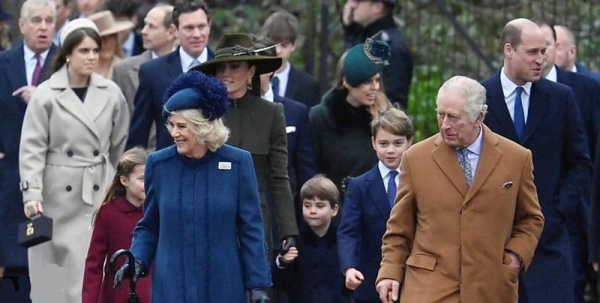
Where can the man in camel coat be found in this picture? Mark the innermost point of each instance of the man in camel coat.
(467, 218)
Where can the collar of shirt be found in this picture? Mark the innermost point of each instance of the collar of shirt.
(474, 150)
(552, 76)
(269, 96)
(574, 69)
(510, 93)
(30, 62)
(128, 45)
(186, 59)
(283, 77)
(384, 171)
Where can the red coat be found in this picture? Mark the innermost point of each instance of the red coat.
(113, 231)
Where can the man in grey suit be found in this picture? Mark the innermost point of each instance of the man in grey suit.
(159, 39)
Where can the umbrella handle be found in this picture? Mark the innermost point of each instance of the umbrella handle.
(130, 261)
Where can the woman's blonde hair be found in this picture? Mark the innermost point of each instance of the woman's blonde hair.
(382, 103)
(211, 133)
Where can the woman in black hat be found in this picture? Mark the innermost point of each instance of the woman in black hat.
(257, 126)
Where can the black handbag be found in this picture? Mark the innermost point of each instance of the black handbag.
(35, 231)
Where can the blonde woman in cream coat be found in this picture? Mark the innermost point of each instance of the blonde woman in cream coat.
(74, 131)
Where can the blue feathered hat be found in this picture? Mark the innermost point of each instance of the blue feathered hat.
(365, 60)
(196, 90)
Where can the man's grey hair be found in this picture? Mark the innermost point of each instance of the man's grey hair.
(475, 93)
(29, 4)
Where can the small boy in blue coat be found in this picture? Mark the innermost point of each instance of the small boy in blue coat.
(310, 273)
(369, 200)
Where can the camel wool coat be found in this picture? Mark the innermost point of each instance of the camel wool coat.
(67, 156)
(447, 242)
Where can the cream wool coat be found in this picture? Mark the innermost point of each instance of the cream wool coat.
(67, 157)
(447, 241)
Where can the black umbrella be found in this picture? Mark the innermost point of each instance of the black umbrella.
(133, 296)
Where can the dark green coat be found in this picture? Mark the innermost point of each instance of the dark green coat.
(258, 126)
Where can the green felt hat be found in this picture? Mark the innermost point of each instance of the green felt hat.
(365, 60)
(239, 47)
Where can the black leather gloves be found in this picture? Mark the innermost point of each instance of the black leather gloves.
(125, 272)
(258, 295)
(289, 243)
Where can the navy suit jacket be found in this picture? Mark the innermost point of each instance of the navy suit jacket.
(155, 77)
(12, 77)
(301, 154)
(364, 217)
(554, 134)
(586, 72)
(303, 88)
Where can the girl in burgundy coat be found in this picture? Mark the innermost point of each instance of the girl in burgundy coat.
(113, 230)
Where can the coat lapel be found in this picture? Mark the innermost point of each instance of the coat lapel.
(488, 159)
(87, 111)
(135, 68)
(377, 192)
(537, 108)
(498, 108)
(447, 160)
(15, 67)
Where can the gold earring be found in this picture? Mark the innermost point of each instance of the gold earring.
(249, 84)
(68, 60)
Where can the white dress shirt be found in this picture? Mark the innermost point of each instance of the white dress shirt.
(509, 89)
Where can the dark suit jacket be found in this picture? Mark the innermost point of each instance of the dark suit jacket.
(587, 95)
(364, 217)
(303, 88)
(586, 72)
(155, 77)
(554, 134)
(594, 238)
(301, 154)
(12, 77)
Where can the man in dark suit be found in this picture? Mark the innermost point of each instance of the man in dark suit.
(131, 41)
(192, 20)
(587, 95)
(543, 117)
(566, 53)
(282, 28)
(20, 72)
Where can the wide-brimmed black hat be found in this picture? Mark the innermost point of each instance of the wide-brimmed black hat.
(239, 47)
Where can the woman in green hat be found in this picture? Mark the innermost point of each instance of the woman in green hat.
(341, 122)
(257, 126)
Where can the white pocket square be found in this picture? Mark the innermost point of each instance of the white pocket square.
(290, 129)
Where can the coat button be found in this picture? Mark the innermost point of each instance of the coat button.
(70, 153)
(96, 153)
(96, 187)
(68, 188)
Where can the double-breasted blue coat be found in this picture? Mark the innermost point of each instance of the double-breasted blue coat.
(202, 227)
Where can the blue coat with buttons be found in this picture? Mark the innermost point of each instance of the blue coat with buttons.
(315, 275)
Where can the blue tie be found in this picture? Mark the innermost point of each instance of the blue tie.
(275, 86)
(519, 115)
(392, 188)
(194, 63)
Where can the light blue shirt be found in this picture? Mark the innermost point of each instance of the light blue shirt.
(30, 61)
(509, 89)
(186, 59)
(385, 175)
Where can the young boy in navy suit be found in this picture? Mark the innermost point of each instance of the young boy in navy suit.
(369, 200)
(311, 273)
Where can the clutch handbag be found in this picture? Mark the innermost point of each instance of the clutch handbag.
(35, 231)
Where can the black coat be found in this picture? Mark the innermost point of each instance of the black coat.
(341, 137)
(315, 276)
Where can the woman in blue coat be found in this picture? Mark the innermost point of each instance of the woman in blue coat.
(202, 229)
